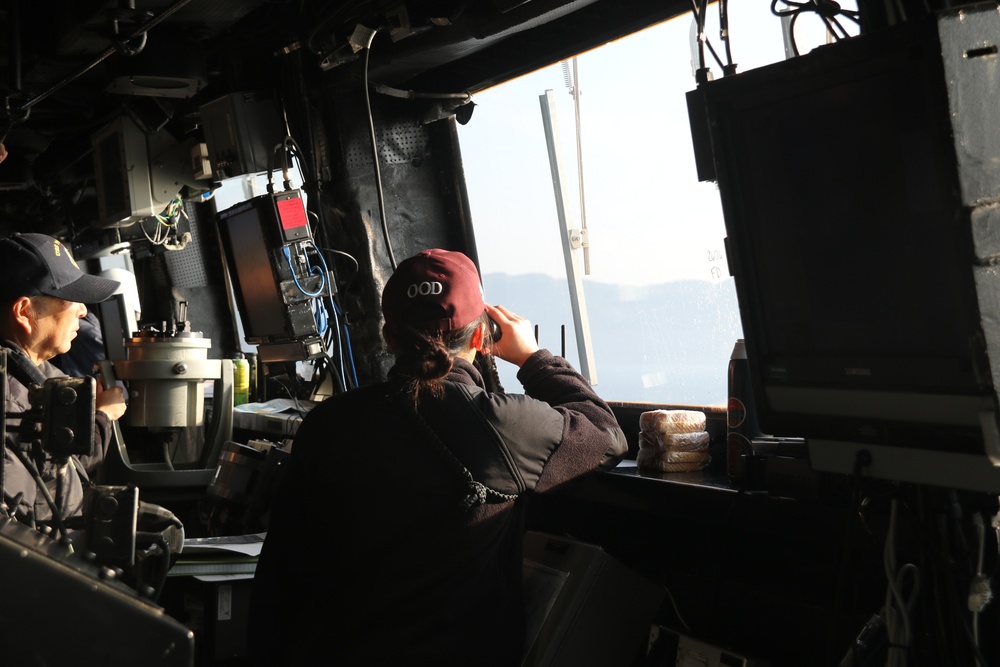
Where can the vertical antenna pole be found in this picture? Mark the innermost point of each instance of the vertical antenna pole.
(570, 241)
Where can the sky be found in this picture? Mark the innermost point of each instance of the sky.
(648, 218)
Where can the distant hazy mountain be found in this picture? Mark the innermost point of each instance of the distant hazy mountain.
(666, 343)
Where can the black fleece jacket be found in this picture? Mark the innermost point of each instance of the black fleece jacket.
(374, 555)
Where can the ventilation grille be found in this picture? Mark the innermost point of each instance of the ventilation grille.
(399, 144)
(187, 267)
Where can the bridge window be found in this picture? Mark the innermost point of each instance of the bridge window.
(658, 302)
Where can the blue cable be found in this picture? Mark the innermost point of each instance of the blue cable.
(312, 271)
(342, 332)
(340, 347)
(339, 329)
(326, 272)
(350, 352)
(322, 260)
(320, 315)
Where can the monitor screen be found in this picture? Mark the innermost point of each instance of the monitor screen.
(869, 321)
(246, 233)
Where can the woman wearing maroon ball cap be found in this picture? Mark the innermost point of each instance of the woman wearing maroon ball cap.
(396, 535)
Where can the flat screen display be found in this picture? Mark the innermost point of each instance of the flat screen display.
(852, 250)
(248, 257)
(852, 223)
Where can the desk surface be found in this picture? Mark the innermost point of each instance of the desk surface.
(771, 473)
(711, 477)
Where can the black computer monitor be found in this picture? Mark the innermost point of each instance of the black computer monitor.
(856, 237)
(248, 232)
(263, 240)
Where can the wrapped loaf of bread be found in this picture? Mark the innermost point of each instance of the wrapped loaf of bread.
(675, 441)
(669, 422)
(672, 441)
(654, 459)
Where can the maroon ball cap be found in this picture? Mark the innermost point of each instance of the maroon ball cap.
(435, 291)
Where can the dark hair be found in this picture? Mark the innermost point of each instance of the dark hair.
(423, 359)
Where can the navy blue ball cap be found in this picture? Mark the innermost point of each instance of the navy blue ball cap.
(33, 264)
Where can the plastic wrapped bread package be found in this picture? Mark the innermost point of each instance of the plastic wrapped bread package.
(672, 441)
(669, 422)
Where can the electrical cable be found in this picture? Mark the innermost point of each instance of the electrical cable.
(288, 148)
(702, 73)
(699, 16)
(952, 535)
(343, 354)
(827, 10)
(157, 541)
(349, 353)
(166, 222)
(375, 160)
(325, 269)
(979, 589)
(311, 183)
(61, 471)
(354, 263)
(729, 67)
(270, 167)
(11, 504)
(320, 316)
(323, 23)
(335, 342)
(447, 103)
(330, 340)
(313, 270)
(321, 313)
(336, 336)
(286, 168)
(292, 393)
(854, 513)
(291, 150)
(677, 611)
(57, 517)
(897, 610)
(414, 95)
(167, 457)
(6, 509)
(995, 525)
(335, 347)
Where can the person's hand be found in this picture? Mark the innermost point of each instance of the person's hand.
(110, 401)
(3, 153)
(518, 340)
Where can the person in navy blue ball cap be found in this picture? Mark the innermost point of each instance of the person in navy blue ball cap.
(43, 296)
